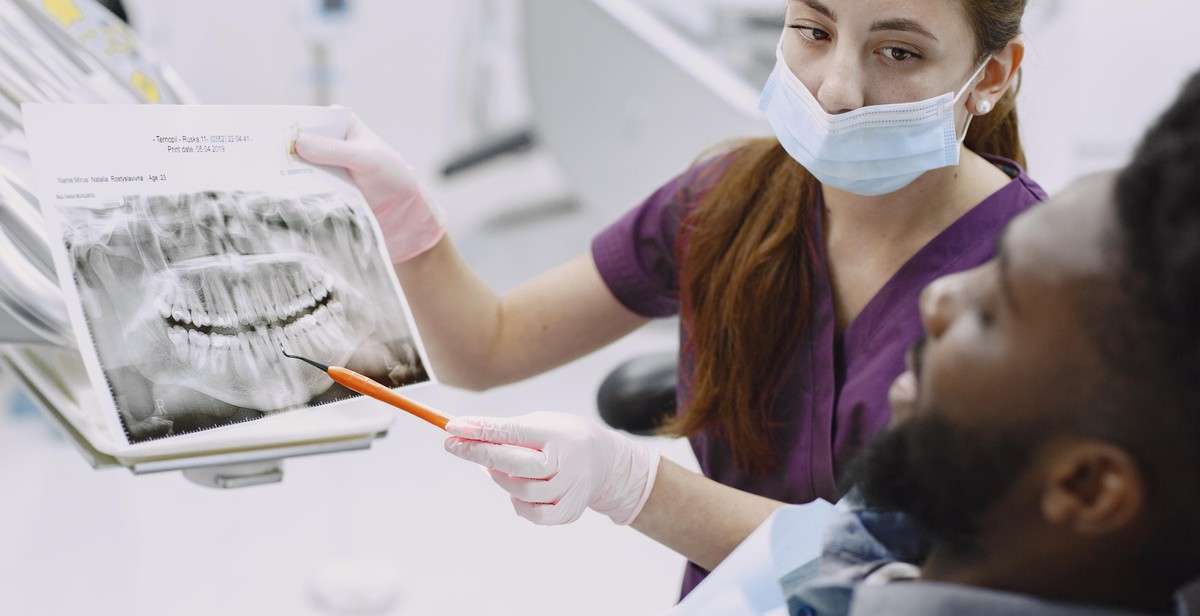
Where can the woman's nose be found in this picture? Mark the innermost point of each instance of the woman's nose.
(841, 90)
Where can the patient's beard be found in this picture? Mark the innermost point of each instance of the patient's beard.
(944, 477)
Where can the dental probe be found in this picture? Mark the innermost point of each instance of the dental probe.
(368, 387)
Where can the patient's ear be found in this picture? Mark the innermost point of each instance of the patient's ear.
(1092, 488)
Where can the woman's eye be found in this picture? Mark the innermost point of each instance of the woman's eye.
(900, 54)
(812, 33)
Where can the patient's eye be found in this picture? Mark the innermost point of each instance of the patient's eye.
(985, 316)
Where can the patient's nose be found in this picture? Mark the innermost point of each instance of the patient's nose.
(941, 302)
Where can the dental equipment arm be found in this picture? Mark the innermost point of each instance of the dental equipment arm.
(555, 465)
(475, 338)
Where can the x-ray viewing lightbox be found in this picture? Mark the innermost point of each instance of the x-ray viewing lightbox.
(192, 246)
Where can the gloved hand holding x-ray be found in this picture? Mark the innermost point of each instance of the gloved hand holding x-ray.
(190, 296)
(411, 223)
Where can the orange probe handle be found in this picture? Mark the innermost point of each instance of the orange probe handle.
(367, 387)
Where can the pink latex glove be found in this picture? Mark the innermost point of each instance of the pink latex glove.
(554, 466)
(411, 224)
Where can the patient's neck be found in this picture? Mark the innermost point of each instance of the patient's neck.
(1080, 578)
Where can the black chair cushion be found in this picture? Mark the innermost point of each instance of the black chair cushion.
(638, 395)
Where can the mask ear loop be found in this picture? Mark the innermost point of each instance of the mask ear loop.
(963, 90)
(971, 80)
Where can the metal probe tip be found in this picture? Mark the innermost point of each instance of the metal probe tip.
(318, 365)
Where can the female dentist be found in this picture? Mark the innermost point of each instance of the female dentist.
(795, 264)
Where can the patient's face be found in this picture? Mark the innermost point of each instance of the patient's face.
(201, 292)
(1005, 359)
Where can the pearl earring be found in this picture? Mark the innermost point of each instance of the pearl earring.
(983, 107)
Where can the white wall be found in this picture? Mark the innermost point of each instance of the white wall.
(396, 62)
(393, 62)
(1097, 74)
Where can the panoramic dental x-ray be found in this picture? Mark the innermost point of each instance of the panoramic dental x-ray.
(191, 299)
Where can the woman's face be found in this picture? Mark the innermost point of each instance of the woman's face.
(855, 53)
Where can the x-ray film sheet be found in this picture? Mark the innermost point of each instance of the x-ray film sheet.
(191, 244)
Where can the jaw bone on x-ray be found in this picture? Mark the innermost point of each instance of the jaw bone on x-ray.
(190, 298)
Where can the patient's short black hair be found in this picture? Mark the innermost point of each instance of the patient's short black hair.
(1152, 343)
(1158, 208)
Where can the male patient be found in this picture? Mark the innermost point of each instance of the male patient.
(1047, 437)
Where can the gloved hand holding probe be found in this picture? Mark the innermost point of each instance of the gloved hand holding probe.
(410, 222)
(555, 466)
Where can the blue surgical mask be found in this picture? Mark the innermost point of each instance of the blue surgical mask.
(871, 150)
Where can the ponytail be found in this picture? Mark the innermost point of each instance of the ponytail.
(745, 285)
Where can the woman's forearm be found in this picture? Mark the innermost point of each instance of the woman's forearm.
(700, 518)
(477, 339)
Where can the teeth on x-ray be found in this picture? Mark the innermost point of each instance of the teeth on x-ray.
(201, 291)
(242, 305)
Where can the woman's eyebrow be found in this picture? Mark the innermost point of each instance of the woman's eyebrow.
(902, 25)
(820, 8)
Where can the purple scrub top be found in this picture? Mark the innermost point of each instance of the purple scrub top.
(834, 398)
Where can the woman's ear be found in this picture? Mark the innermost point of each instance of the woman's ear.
(1093, 488)
(998, 76)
